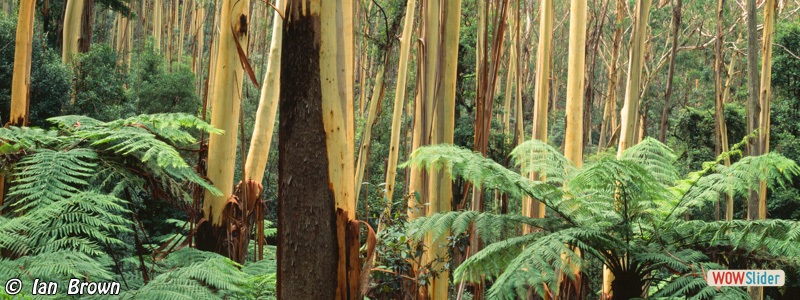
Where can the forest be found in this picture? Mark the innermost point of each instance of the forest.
(399, 149)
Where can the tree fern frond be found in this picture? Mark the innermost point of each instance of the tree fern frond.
(479, 170)
(656, 158)
(47, 176)
(539, 157)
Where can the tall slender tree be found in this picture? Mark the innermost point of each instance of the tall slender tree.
(630, 110)
(399, 99)
(753, 105)
(72, 30)
(443, 130)
(225, 111)
(676, 27)
(573, 140)
(158, 28)
(765, 92)
(261, 140)
(532, 207)
(720, 132)
(21, 79)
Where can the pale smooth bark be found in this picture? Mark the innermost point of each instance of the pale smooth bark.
(399, 99)
(171, 25)
(720, 132)
(366, 137)
(158, 29)
(261, 140)
(532, 207)
(21, 79)
(226, 101)
(197, 30)
(443, 130)
(609, 112)
(573, 140)
(724, 131)
(511, 72)
(764, 97)
(72, 30)
(630, 111)
(182, 24)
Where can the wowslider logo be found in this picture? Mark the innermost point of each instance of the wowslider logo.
(746, 278)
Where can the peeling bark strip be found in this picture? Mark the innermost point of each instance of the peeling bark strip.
(317, 240)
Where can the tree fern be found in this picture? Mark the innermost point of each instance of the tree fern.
(610, 210)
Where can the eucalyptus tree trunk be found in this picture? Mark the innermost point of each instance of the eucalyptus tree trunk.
(197, 31)
(753, 105)
(511, 72)
(7, 7)
(607, 128)
(519, 134)
(443, 127)
(765, 94)
(720, 134)
(316, 227)
(399, 98)
(21, 79)
(630, 110)
(87, 20)
(158, 28)
(532, 207)
(72, 30)
(374, 109)
(573, 140)
(362, 58)
(261, 140)
(119, 37)
(724, 131)
(676, 27)
(754, 108)
(226, 101)
(182, 25)
(214, 50)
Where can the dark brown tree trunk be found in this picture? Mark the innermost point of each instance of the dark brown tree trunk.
(318, 242)
(676, 27)
(87, 19)
(307, 244)
(753, 106)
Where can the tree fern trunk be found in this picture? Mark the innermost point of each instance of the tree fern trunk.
(630, 111)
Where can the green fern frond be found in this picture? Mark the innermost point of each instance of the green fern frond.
(656, 158)
(47, 176)
(539, 157)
